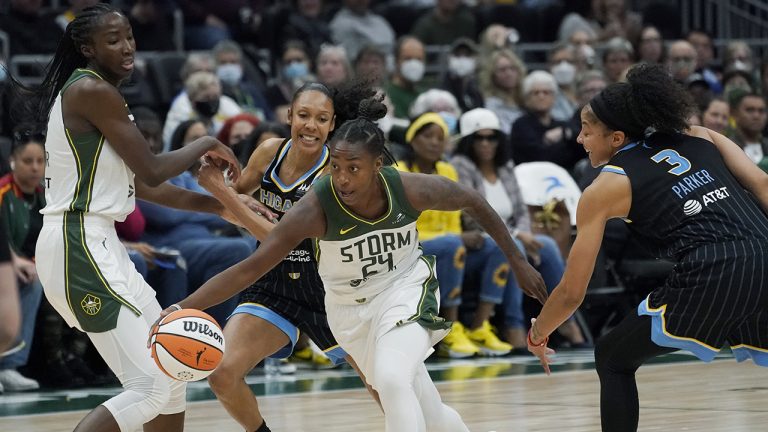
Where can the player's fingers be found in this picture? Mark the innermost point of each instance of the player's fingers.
(545, 365)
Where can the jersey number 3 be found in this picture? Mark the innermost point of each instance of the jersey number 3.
(680, 165)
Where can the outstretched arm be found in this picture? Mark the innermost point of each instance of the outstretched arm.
(212, 180)
(96, 103)
(305, 219)
(748, 174)
(427, 192)
(609, 196)
(168, 195)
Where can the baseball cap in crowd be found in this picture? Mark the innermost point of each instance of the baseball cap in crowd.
(477, 119)
(464, 42)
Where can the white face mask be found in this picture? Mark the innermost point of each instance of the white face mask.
(461, 66)
(230, 73)
(412, 70)
(741, 65)
(564, 72)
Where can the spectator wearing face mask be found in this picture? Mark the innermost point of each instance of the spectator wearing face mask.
(681, 60)
(561, 64)
(294, 69)
(461, 77)
(236, 129)
(202, 100)
(247, 93)
(405, 84)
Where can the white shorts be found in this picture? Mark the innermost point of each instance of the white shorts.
(86, 274)
(414, 299)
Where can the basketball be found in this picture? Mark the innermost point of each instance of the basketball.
(187, 345)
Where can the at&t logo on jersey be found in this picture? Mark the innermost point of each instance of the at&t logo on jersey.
(692, 206)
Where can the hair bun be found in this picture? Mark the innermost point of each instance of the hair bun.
(372, 108)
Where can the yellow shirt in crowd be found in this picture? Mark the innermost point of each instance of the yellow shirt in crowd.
(433, 223)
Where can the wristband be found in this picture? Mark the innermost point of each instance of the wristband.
(530, 340)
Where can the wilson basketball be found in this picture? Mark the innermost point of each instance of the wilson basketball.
(187, 345)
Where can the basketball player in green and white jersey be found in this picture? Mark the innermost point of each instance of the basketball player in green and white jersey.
(380, 290)
(97, 164)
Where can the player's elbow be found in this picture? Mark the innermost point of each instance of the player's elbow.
(572, 296)
(150, 176)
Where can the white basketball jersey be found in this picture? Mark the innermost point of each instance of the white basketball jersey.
(83, 172)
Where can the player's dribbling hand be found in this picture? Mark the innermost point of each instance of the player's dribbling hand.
(542, 351)
(222, 155)
(165, 312)
(529, 280)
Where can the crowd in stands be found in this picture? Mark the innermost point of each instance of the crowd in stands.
(465, 103)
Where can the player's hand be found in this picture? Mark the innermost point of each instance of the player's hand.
(210, 176)
(24, 268)
(541, 351)
(529, 280)
(223, 157)
(257, 207)
(164, 313)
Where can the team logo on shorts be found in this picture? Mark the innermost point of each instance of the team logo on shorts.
(691, 207)
(91, 304)
(294, 276)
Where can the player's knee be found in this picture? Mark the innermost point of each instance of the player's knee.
(391, 382)
(155, 392)
(601, 356)
(223, 380)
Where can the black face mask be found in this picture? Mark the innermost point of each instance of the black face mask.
(206, 109)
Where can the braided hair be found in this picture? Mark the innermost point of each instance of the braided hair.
(67, 58)
(360, 128)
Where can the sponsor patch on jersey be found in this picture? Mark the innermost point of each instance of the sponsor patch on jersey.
(692, 207)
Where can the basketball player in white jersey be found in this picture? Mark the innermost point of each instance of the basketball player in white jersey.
(93, 151)
(380, 290)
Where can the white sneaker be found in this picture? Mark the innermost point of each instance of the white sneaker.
(12, 380)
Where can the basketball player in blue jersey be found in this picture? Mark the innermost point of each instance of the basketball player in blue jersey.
(288, 299)
(380, 291)
(97, 164)
(691, 194)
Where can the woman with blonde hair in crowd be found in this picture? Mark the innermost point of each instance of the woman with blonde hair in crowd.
(500, 83)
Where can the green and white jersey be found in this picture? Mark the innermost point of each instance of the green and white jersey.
(83, 173)
(358, 258)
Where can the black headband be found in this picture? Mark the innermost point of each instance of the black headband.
(604, 113)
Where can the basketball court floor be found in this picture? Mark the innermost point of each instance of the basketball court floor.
(677, 393)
